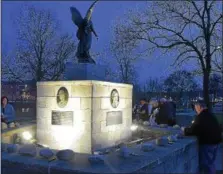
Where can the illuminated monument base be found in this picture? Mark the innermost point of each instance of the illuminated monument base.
(83, 115)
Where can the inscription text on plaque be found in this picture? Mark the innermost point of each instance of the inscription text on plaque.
(62, 118)
(113, 118)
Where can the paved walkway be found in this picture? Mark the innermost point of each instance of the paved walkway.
(219, 161)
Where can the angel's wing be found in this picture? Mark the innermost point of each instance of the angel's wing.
(76, 16)
(90, 10)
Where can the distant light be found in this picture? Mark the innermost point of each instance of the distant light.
(134, 127)
(26, 135)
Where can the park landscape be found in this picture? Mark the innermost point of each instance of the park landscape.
(74, 71)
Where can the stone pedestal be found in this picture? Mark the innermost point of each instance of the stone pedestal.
(83, 115)
(84, 71)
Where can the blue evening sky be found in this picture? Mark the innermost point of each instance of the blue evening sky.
(105, 13)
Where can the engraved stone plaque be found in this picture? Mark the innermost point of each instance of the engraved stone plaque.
(62, 118)
(113, 118)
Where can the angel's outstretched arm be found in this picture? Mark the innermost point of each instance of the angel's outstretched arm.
(92, 29)
(95, 33)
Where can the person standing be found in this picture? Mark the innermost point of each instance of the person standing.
(143, 111)
(208, 132)
(171, 113)
(8, 112)
(162, 117)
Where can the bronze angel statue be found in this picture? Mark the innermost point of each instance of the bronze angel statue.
(84, 33)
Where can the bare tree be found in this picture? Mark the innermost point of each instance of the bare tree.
(153, 88)
(217, 62)
(11, 70)
(154, 85)
(41, 51)
(125, 56)
(180, 81)
(192, 29)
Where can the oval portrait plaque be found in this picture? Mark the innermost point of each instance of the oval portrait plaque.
(62, 97)
(114, 98)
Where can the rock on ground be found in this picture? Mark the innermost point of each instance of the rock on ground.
(28, 150)
(65, 155)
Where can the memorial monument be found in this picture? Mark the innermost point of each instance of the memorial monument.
(83, 112)
(86, 116)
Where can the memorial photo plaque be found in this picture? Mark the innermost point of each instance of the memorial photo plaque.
(114, 98)
(113, 118)
(62, 97)
(64, 118)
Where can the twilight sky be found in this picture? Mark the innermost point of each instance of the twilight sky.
(105, 13)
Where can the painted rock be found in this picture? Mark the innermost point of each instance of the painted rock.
(179, 135)
(146, 147)
(176, 126)
(172, 138)
(161, 141)
(28, 150)
(17, 124)
(163, 125)
(4, 126)
(65, 155)
(11, 125)
(95, 159)
(46, 153)
(12, 148)
(145, 123)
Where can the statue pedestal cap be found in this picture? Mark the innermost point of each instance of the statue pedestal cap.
(84, 71)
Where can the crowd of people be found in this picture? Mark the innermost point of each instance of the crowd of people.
(161, 111)
(205, 127)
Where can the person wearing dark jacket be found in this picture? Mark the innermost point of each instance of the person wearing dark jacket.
(162, 117)
(143, 111)
(208, 132)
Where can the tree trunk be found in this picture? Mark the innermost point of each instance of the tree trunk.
(206, 89)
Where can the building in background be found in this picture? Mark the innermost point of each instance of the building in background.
(18, 90)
